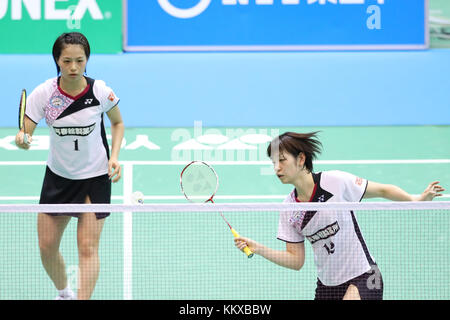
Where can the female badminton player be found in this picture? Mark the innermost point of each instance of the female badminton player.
(345, 268)
(80, 167)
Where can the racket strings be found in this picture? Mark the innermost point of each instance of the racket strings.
(199, 182)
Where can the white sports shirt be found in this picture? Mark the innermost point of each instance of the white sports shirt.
(340, 252)
(78, 145)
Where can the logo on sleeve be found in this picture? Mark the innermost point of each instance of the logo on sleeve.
(111, 97)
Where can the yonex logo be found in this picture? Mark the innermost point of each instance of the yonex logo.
(51, 12)
(88, 101)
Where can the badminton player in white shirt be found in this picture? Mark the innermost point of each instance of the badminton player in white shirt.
(345, 267)
(80, 167)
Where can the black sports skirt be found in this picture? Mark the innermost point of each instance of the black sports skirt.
(59, 190)
(369, 284)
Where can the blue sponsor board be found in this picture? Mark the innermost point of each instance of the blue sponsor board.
(207, 25)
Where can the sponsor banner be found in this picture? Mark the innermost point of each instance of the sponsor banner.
(31, 26)
(439, 23)
(207, 25)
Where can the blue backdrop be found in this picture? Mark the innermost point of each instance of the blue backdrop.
(188, 24)
(257, 89)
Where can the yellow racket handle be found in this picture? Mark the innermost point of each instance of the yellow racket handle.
(246, 250)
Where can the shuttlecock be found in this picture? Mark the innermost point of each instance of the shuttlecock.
(137, 198)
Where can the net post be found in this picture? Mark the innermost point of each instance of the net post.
(127, 233)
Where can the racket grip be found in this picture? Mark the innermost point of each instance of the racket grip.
(246, 250)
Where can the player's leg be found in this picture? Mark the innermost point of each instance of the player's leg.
(368, 286)
(50, 231)
(352, 293)
(88, 237)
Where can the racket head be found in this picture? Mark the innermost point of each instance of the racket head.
(22, 109)
(199, 182)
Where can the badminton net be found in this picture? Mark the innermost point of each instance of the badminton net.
(186, 252)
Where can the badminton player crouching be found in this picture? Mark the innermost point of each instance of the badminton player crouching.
(79, 167)
(345, 268)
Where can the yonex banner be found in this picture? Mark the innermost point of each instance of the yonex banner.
(197, 25)
(31, 26)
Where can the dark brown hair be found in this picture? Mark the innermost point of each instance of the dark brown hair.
(296, 143)
(66, 39)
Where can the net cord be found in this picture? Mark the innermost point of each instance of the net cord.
(226, 207)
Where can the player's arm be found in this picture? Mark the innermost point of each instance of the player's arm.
(117, 132)
(392, 192)
(293, 257)
(30, 126)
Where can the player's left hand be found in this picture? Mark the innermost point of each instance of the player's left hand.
(20, 140)
(433, 190)
(114, 170)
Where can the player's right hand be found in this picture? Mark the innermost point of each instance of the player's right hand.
(241, 243)
(20, 143)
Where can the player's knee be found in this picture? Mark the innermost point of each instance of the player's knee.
(48, 247)
(87, 249)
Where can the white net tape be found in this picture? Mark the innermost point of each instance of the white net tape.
(229, 207)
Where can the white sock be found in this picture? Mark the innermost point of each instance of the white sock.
(65, 292)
